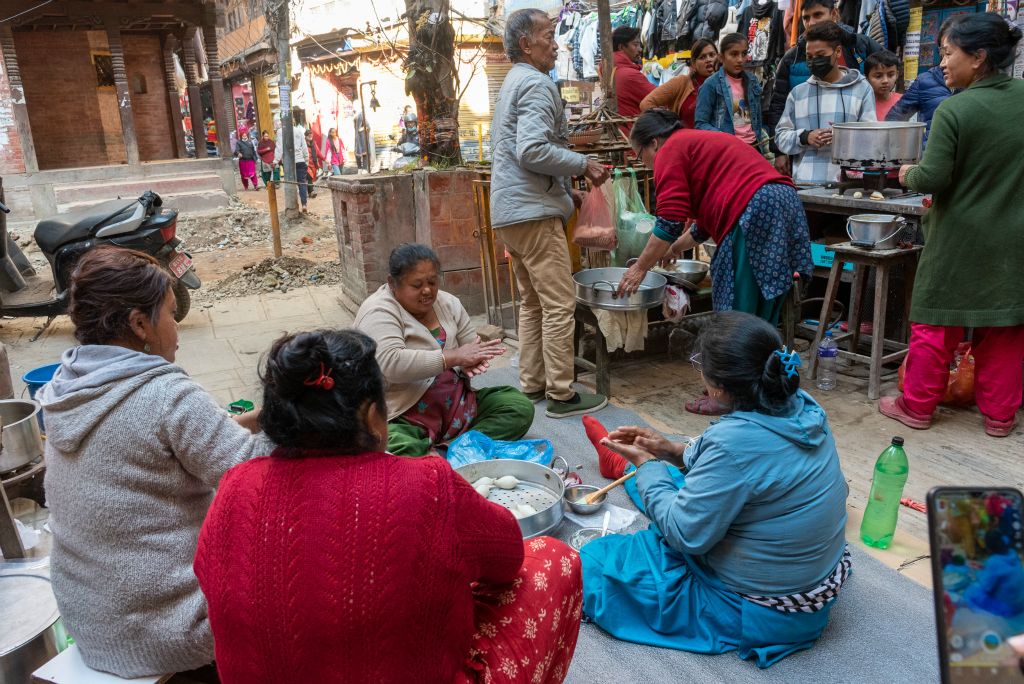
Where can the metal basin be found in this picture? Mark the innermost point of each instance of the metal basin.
(574, 497)
(539, 486)
(689, 270)
(596, 287)
(874, 231)
(28, 613)
(877, 144)
(21, 440)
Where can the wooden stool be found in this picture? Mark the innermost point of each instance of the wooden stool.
(882, 260)
(602, 366)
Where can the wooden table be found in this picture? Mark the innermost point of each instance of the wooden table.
(827, 201)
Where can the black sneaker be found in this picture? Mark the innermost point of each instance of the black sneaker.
(577, 406)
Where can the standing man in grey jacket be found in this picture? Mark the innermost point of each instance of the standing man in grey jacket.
(531, 200)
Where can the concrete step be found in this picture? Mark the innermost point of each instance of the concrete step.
(91, 193)
(188, 201)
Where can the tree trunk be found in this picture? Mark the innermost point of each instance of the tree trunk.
(430, 79)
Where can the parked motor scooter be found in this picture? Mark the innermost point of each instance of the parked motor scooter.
(138, 224)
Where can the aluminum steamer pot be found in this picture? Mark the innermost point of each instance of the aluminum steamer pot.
(29, 634)
(877, 144)
(539, 486)
(596, 288)
(21, 440)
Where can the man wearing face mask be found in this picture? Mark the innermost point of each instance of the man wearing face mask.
(832, 95)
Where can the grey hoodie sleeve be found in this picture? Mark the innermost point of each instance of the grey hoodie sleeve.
(787, 137)
(202, 435)
(534, 149)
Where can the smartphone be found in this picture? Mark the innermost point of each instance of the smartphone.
(977, 554)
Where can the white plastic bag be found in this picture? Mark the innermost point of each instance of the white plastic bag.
(676, 304)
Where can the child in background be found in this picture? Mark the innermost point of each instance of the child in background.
(882, 70)
(730, 100)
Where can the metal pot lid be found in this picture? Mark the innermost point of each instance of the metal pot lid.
(874, 218)
(27, 609)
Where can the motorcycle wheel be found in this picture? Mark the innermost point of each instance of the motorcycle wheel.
(182, 299)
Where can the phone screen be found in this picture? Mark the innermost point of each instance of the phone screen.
(978, 567)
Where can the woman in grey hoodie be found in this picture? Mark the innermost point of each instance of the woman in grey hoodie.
(134, 451)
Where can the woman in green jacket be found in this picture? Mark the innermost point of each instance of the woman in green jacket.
(969, 275)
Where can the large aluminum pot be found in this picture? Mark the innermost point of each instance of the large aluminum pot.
(877, 144)
(21, 440)
(539, 486)
(874, 231)
(29, 636)
(596, 287)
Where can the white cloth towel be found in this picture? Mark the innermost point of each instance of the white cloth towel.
(623, 329)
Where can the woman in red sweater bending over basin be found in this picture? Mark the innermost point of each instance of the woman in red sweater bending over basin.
(739, 200)
(332, 560)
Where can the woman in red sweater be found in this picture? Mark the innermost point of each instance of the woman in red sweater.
(739, 200)
(334, 561)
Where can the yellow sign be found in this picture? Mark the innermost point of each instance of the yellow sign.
(912, 49)
(570, 94)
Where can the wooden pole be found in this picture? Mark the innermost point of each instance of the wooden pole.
(275, 223)
(604, 26)
(480, 140)
(124, 99)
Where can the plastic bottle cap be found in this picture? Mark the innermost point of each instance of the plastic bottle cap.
(897, 441)
(828, 333)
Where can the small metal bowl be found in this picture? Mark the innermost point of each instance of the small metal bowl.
(574, 494)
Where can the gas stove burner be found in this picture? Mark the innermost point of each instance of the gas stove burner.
(870, 180)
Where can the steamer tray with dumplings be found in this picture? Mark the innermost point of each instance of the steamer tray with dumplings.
(534, 497)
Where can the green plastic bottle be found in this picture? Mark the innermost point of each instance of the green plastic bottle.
(883, 507)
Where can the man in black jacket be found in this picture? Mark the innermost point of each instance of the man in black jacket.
(793, 70)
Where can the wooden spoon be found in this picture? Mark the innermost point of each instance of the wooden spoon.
(591, 499)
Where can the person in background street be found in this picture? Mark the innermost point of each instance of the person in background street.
(270, 169)
(738, 199)
(314, 165)
(428, 351)
(631, 86)
(882, 71)
(333, 152)
(134, 451)
(923, 97)
(730, 101)
(363, 137)
(832, 95)
(531, 200)
(974, 237)
(793, 67)
(746, 551)
(301, 160)
(246, 153)
(680, 93)
(334, 561)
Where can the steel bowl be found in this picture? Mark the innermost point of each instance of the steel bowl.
(690, 270)
(539, 486)
(877, 144)
(596, 287)
(875, 231)
(574, 496)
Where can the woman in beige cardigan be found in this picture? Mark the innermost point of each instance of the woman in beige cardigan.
(679, 94)
(428, 351)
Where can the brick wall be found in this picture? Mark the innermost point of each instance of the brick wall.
(74, 122)
(11, 159)
(143, 58)
(63, 107)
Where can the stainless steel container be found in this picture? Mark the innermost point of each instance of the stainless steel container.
(596, 287)
(21, 439)
(874, 231)
(690, 271)
(28, 615)
(539, 486)
(575, 495)
(877, 144)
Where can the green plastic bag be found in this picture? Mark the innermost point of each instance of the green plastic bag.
(633, 225)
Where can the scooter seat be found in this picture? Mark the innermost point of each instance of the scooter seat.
(75, 225)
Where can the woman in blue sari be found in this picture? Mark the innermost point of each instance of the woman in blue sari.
(745, 551)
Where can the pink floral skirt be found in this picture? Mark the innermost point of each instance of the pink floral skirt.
(526, 630)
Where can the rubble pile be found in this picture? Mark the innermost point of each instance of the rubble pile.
(271, 275)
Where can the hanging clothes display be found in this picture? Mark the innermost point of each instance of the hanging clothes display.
(762, 23)
(564, 32)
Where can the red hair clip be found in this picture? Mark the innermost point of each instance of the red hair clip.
(324, 382)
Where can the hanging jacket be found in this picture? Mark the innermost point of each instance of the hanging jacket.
(819, 104)
(715, 105)
(667, 21)
(793, 69)
(923, 96)
(766, 35)
(708, 18)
